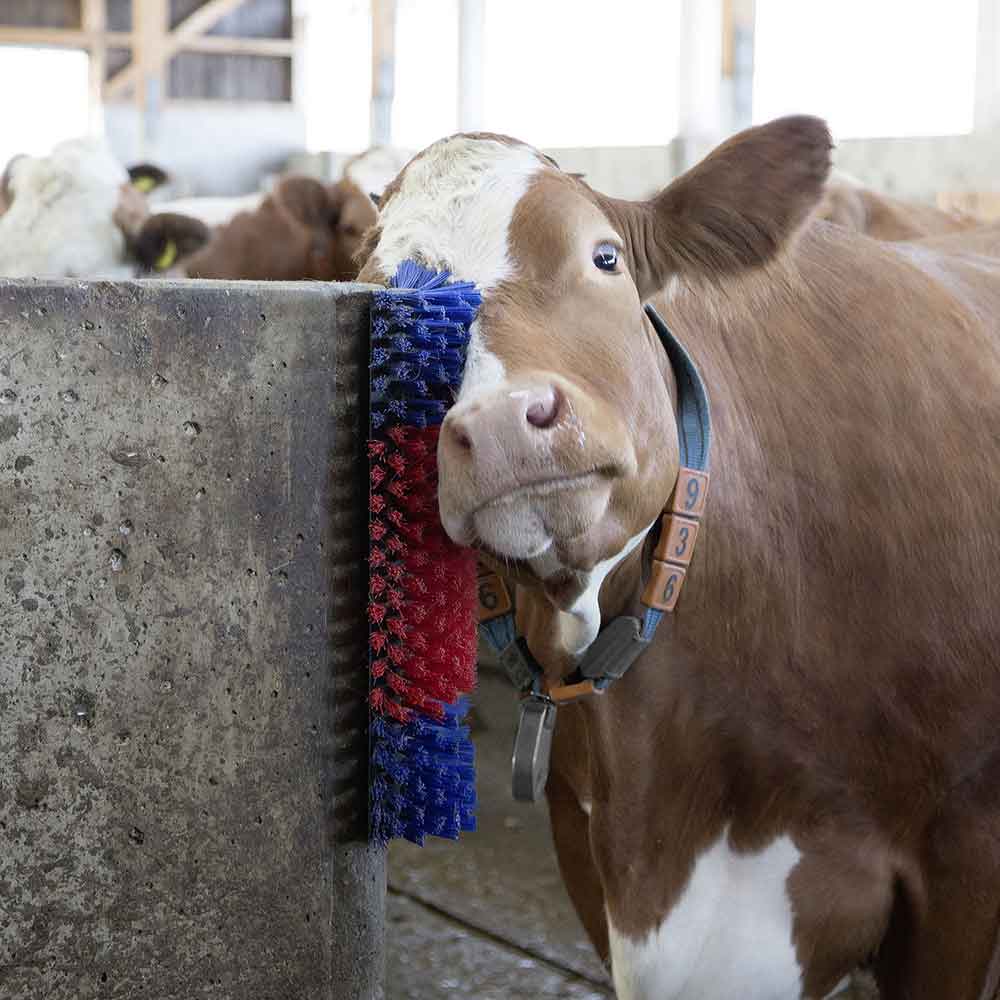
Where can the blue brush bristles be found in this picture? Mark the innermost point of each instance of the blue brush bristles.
(422, 587)
(423, 780)
(420, 332)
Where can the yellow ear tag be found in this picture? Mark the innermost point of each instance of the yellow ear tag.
(167, 258)
(145, 184)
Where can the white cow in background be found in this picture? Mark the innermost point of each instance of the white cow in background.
(67, 213)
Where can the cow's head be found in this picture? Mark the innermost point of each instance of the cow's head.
(304, 229)
(561, 448)
(336, 214)
(166, 239)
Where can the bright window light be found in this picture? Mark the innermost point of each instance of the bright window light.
(59, 104)
(568, 73)
(337, 74)
(425, 105)
(891, 68)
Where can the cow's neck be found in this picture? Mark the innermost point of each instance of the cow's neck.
(558, 638)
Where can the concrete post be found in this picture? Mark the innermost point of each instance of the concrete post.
(700, 79)
(183, 643)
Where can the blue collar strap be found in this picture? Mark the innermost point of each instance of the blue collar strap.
(623, 639)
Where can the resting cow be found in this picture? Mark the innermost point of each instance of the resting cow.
(68, 214)
(801, 774)
(883, 217)
(303, 230)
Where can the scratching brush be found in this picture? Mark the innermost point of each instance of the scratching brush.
(422, 604)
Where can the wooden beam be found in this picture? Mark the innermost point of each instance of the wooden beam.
(191, 27)
(230, 45)
(300, 13)
(94, 16)
(150, 20)
(383, 70)
(72, 38)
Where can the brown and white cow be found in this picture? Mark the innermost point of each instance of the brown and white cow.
(802, 774)
(304, 229)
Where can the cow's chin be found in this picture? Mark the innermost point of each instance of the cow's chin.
(558, 519)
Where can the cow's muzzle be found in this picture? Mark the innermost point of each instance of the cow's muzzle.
(527, 464)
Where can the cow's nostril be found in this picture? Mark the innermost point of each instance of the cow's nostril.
(544, 410)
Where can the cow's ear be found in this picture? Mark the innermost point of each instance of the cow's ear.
(146, 177)
(734, 210)
(167, 238)
(353, 211)
(7, 178)
(304, 198)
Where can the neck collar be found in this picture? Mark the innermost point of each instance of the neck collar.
(619, 643)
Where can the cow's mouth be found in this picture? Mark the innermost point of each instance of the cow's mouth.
(528, 520)
(544, 487)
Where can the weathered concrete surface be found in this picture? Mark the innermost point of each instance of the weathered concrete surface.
(432, 957)
(182, 644)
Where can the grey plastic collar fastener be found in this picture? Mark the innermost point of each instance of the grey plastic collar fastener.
(615, 649)
(519, 664)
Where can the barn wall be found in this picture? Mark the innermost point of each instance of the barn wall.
(212, 148)
(41, 13)
(916, 168)
(235, 77)
(183, 643)
(921, 167)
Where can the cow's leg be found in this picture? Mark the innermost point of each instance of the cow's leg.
(568, 793)
(571, 833)
(947, 952)
(944, 937)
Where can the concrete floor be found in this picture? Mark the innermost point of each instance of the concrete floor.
(488, 917)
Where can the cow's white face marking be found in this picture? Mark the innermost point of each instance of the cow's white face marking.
(483, 369)
(453, 212)
(454, 207)
(728, 935)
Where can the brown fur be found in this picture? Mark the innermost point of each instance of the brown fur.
(833, 669)
(303, 230)
(187, 234)
(885, 218)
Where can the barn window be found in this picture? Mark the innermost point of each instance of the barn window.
(892, 68)
(566, 73)
(425, 104)
(54, 101)
(338, 72)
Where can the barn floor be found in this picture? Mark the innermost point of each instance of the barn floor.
(488, 917)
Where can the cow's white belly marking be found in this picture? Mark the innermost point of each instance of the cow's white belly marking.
(729, 934)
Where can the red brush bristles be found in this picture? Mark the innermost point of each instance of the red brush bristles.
(422, 590)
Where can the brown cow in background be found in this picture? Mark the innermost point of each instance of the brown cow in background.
(303, 230)
(854, 206)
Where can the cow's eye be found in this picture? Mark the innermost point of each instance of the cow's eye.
(606, 256)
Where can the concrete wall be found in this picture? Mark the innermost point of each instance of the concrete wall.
(183, 664)
(217, 149)
(917, 168)
(921, 167)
